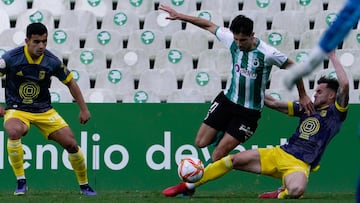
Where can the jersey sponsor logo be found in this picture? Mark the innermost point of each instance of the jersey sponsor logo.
(244, 72)
(29, 91)
(309, 127)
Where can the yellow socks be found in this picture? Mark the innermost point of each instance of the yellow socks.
(78, 163)
(285, 195)
(16, 154)
(216, 170)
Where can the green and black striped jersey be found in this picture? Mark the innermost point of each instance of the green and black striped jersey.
(250, 70)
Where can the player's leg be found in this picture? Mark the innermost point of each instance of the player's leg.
(59, 131)
(216, 120)
(245, 161)
(295, 184)
(65, 138)
(333, 36)
(248, 160)
(294, 173)
(211, 172)
(225, 146)
(241, 123)
(205, 135)
(240, 127)
(16, 125)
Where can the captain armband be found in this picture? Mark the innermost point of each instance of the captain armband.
(290, 108)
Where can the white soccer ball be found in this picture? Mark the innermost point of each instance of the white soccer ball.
(190, 169)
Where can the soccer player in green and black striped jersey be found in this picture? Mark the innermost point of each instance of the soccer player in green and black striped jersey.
(237, 109)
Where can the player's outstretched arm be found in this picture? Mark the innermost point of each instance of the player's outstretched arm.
(346, 19)
(278, 105)
(304, 99)
(202, 23)
(75, 91)
(342, 96)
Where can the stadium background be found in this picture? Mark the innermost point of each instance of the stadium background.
(118, 120)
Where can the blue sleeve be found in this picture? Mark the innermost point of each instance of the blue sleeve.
(339, 29)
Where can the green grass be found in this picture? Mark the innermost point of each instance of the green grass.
(55, 196)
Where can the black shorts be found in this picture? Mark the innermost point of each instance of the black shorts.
(226, 116)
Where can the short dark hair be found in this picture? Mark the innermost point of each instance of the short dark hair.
(332, 83)
(242, 24)
(35, 29)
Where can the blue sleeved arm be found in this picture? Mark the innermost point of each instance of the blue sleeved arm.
(341, 27)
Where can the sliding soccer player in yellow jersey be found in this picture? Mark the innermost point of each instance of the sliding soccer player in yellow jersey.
(28, 71)
(293, 161)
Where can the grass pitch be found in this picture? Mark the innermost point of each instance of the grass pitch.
(119, 196)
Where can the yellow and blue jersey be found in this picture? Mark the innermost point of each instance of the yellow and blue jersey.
(314, 132)
(28, 81)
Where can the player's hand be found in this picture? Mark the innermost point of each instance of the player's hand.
(2, 111)
(173, 15)
(306, 103)
(84, 116)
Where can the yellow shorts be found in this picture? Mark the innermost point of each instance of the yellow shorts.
(47, 122)
(277, 163)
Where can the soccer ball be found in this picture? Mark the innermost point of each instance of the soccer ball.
(190, 169)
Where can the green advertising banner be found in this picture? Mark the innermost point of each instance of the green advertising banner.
(138, 146)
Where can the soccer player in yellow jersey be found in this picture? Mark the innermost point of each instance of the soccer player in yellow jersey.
(291, 162)
(28, 71)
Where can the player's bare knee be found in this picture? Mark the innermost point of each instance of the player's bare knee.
(71, 148)
(200, 143)
(14, 133)
(217, 155)
(15, 130)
